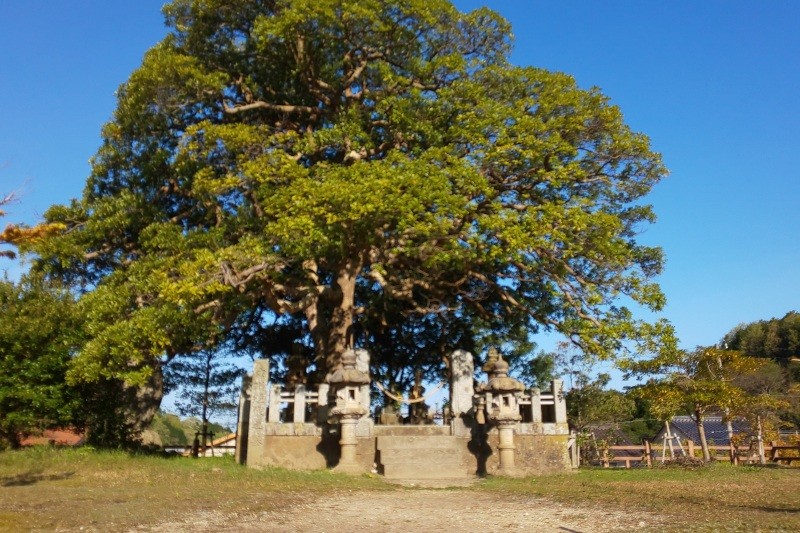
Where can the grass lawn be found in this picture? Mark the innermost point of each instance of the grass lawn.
(719, 497)
(42, 488)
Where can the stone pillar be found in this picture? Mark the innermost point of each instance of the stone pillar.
(536, 408)
(462, 370)
(362, 365)
(258, 412)
(507, 448)
(462, 391)
(243, 421)
(348, 445)
(274, 404)
(322, 406)
(560, 403)
(299, 415)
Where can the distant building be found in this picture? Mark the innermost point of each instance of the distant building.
(55, 437)
(222, 446)
(685, 428)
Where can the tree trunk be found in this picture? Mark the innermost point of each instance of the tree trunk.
(341, 320)
(142, 403)
(701, 430)
(12, 438)
(730, 437)
(206, 389)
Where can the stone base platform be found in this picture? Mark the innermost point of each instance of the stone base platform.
(423, 457)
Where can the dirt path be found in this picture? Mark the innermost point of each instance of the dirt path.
(422, 510)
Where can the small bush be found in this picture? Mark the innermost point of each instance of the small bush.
(684, 462)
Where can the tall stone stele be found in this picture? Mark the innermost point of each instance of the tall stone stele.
(504, 411)
(347, 384)
(462, 390)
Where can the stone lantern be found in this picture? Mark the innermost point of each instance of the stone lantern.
(504, 410)
(346, 384)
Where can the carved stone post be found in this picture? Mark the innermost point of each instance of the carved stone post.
(243, 422)
(274, 413)
(536, 408)
(504, 412)
(322, 405)
(562, 427)
(462, 390)
(365, 423)
(362, 365)
(258, 412)
(346, 382)
(507, 448)
(299, 414)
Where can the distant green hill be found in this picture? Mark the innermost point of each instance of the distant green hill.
(169, 429)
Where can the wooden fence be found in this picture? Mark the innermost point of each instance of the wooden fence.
(648, 454)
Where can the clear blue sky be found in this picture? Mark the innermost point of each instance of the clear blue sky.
(715, 84)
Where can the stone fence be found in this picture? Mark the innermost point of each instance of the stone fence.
(495, 418)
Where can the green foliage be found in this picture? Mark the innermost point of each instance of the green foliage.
(643, 425)
(591, 404)
(172, 430)
(354, 174)
(39, 331)
(537, 371)
(115, 414)
(169, 429)
(777, 339)
(779, 380)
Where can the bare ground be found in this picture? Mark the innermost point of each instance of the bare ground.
(420, 510)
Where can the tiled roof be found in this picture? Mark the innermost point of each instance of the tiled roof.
(716, 429)
(58, 437)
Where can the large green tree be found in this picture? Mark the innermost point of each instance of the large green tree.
(345, 173)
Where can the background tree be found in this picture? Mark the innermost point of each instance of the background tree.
(590, 403)
(776, 339)
(208, 387)
(538, 370)
(39, 331)
(353, 174)
(695, 383)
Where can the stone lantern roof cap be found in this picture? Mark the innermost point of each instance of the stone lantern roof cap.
(505, 384)
(500, 382)
(346, 373)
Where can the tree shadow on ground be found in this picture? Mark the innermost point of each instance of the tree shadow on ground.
(31, 478)
(790, 510)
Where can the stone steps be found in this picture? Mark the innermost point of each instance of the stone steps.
(435, 457)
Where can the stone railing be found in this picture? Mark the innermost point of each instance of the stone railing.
(546, 411)
(300, 406)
